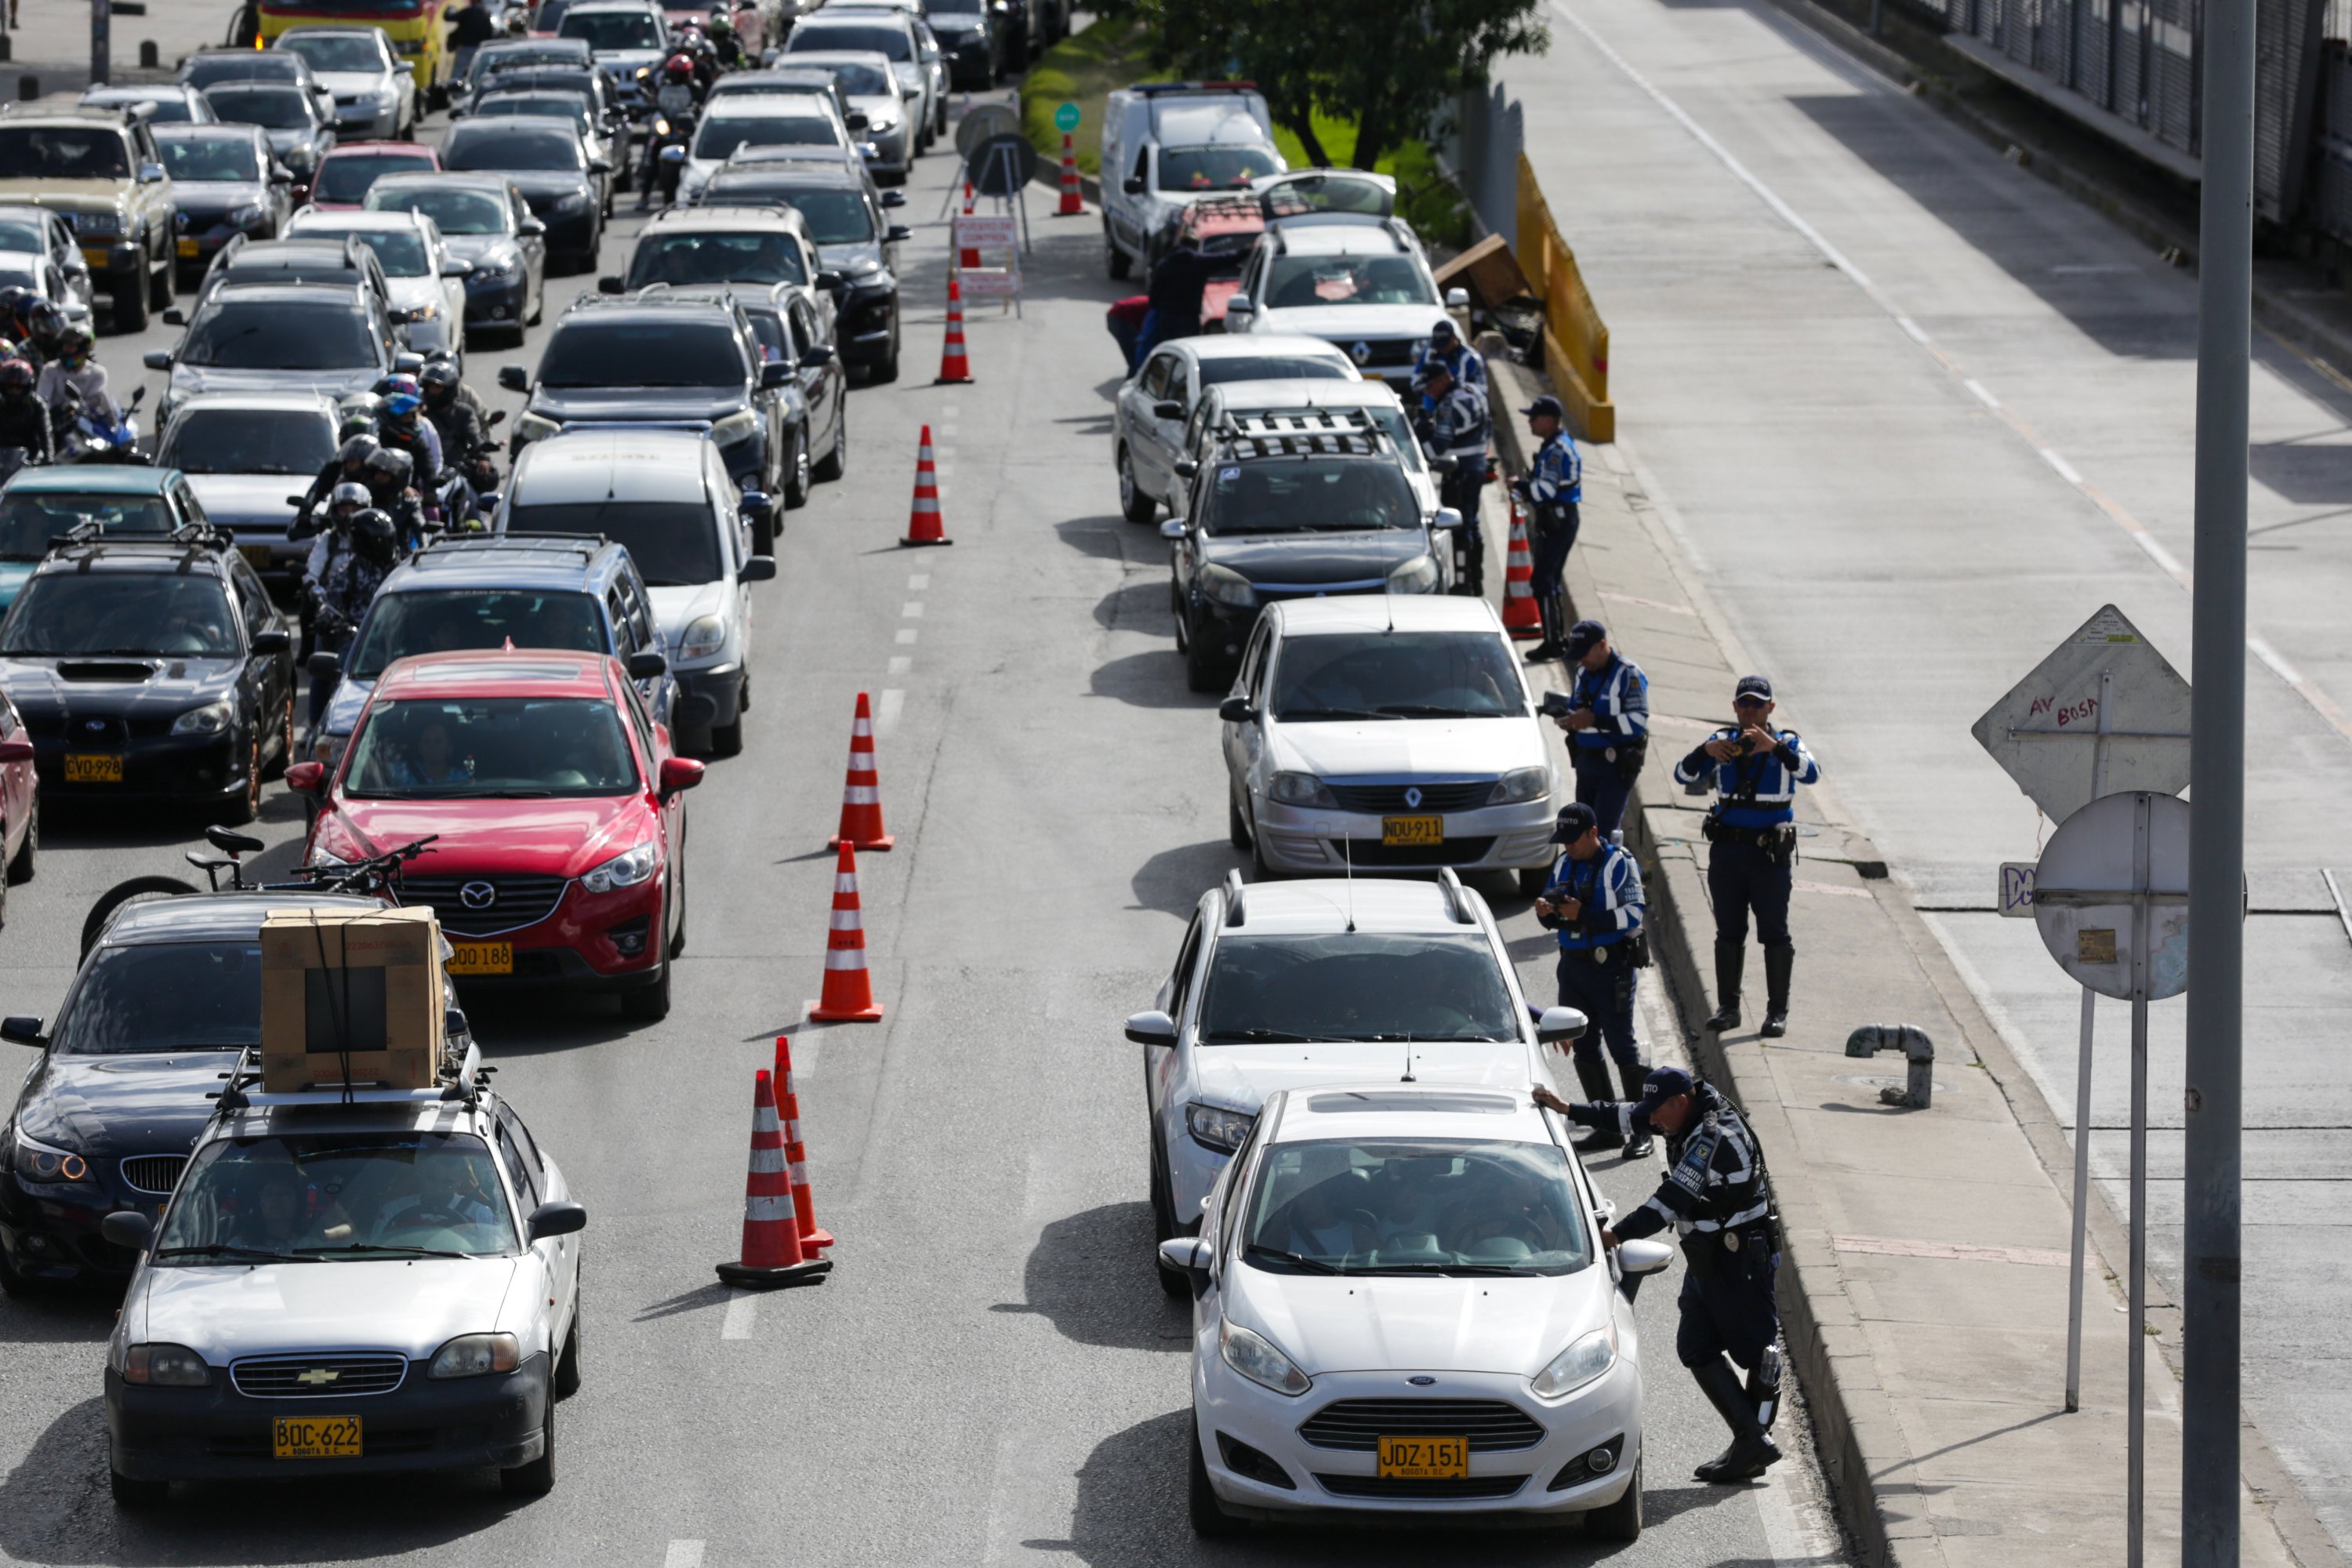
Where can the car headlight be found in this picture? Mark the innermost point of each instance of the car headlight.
(429, 311)
(1255, 1357)
(1303, 789)
(1579, 1364)
(34, 1162)
(165, 1366)
(574, 202)
(105, 222)
(248, 217)
(1215, 1127)
(740, 426)
(212, 718)
(1418, 575)
(625, 870)
(880, 127)
(494, 266)
(475, 1355)
(330, 859)
(706, 637)
(1521, 784)
(536, 428)
(1226, 587)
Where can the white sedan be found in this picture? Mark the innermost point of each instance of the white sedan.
(426, 283)
(1403, 1306)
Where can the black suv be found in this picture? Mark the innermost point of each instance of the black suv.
(151, 669)
(1289, 506)
(655, 358)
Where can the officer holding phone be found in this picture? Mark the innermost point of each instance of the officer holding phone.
(1594, 905)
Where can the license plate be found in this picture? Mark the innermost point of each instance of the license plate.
(482, 958)
(256, 556)
(315, 1437)
(1413, 830)
(98, 768)
(1424, 1458)
(190, 250)
(94, 255)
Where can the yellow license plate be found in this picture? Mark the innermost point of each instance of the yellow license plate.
(315, 1438)
(1413, 830)
(94, 255)
(1424, 1458)
(190, 250)
(482, 958)
(95, 768)
(256, 556)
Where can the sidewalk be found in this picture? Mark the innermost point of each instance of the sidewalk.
(50, 41)
(1925, 1302)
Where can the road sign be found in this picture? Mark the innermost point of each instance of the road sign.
(1065, 118)
(2111, 896)
(2016, 899)
(981, 122)
(1001, 165)
(2104, 712)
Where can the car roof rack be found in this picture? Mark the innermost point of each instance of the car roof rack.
(458, 1081)
(1302, 432)
(1457, 900)
(1234, 886)
(584, 545)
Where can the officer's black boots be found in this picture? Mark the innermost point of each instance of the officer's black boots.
(1631, 1075)
(1593, 1079)
(1730, 960)
(1752, 1450)
(1777, 962)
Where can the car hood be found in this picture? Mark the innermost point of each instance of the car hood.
(674, 609)
(406, 293)
(352, 84)
(66, 196)
(244, 500)
(474, 247)
(1453, 748)
(1302, 559)
(212, 197)
(1239, 1077)
(282, 141)
(190, 379)
(1506, 1325)
(527, 837)
(137, 686)
(414, 1305)
(567, 404)
(546, 185)
(109, 1107)
(878, 106)
(1347, 324)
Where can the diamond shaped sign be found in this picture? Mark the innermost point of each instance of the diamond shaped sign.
(2105, 713)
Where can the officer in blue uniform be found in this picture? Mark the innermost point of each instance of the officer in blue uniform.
(1608, 723)
(1457, 428)
(1753, 770)
(1594, 903)
(1553, 490)
(1464, 362)
(1718, 1197)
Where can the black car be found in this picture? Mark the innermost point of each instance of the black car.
(841, 210)
(299, 133)
(546, 159)
(792, 325)
(313, 258)
(208, 68)
(163, 1002)
(227, 184)
(661, 358)
(1285, 507)
(977, 49)
(151, 669)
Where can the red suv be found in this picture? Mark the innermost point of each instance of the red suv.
(560, 854)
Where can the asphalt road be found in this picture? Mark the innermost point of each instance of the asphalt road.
(991, 1372)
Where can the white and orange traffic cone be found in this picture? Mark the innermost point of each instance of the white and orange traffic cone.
(955, 360)
(1073, 202)
(1521, 616)
(772, 1256)
(814, 1238)
(968, 258)
(848, 989)
(861, 797)
(925, 525)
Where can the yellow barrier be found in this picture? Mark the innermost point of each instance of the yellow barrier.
(1576, 341)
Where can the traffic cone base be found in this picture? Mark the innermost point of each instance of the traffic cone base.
(744, 1277)
(848, 987)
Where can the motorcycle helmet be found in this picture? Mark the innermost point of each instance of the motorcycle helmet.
(678, 69)
(402, 396)
(45, 322)
(439, 380)
(390, 465)
(517, 27)
(16, 377)
(75, 342)
(721, 29)
(358, 451)
(15, 301)
(349, 494)
(373, 536)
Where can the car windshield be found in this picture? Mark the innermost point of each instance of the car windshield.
(63, 152)
(21, 234)
(719, 137)
(210, 158)
(550, 14)
(399, 251)
(347, 178)
(1358, 985)
(249, 334)
(14, 278)
(248, 441)
(29, 522)
(1415, 1206)
(891, 43)
(1407, 675)
(496, 748)
(1299, 282)
(555, 106)
(271, 107)
(240, 65)
(642, 353)
(1299, 495)
(456, 210)
(1214, 168)
(530, 57)
(334, 51)
(674, 544)
(613, 29)
(337, 1197)
(164, 996)
(445, 620)
(834, 217)
(504, 147)
(690, 259)
(1271, 367)
(155, 614)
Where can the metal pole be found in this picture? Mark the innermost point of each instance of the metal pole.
(2217, 783)
(2136, 1422)
(2082, 1209)
(102, 47)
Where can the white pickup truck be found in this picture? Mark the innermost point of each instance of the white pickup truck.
(1165, 146)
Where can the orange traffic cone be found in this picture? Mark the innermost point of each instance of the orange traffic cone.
(861, 797)
(812, 1238)
(955, 364)
(848, 989)
(924, 524)
(771, 1235)
(968, 258)
(1074, 203)
(1521, 618)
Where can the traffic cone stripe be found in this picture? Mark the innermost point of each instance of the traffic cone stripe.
(845, 920)
(767, 1162)
(862, 795)
(855, 959)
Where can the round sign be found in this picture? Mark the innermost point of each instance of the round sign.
(1001, 165)
(2111, 894)
(1065, 118)
(981, 122)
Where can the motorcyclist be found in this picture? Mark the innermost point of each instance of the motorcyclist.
(350, 585)
(348, 465)
(678, 97)
(345, 501)
(74, 384)
(390, 479)
(41, 328)
(465, 444)
(24, 419)
(403, 431)
(16, 304)
(724, 45)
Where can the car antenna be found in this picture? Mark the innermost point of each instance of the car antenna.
(1348, 858)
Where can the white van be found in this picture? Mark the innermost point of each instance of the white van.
(1165, 146)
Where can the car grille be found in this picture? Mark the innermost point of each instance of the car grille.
(1373, 853)
(297, 1376)
(1464, 795)
(153, 1173)
(1380, 1487)
(1491, 1424)
(515, 901)
(1398, 350)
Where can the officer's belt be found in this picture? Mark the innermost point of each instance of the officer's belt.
(1745, 1217)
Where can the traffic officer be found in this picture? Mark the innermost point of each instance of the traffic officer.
(1754, 770)
(1718, 1197)
(1553, 490)
(1457, 428)
(1594, 903)
(1467, 364)
(1608, 723)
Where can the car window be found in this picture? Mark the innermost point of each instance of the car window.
(164, 996)
(803, 330)
(221, 158)
(94, 614)
(640, 720)
(1155, 375)
(1299, 282)
(1237, 1178)
(1357, 986)
(258, 617)
(1179, 383)
(723, 134)
(248, 441)
(335, 51)
(444, 620)
(1253, 658)
(690, 260)
(1348, 675)
(588, 352)
(29, 521)
(504, 748)
(1273, 367)
(520, 1159)
(278, 335)
(1214, 168)
(674, 544)
(1180, 979)
(1410, 1205)
(339, 1196)
(489, 145)
(63, 152)
(1300, 495)
(641, 619)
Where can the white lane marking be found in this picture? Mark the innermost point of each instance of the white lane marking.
(2270, 656)
(899, 665)
(2065, 469)
(886, 717)
(912, 610)
(919, 582)
(2165, 558)
(742, 1313)
(683, 1555)
(1795, 1532)
(907, 636)
(1912, 327)
(1977, 391)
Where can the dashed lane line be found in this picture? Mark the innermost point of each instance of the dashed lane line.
(742, 1316)
(885, 717)
(683, 1555)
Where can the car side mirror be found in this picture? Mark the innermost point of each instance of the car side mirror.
(600, 165)
(15, 749)
(647, 665)
(150, 173)
(911, 93)
(1238, 306)
(407, 363)
(1169, 408)
(1186, 469)
(679, 774)
(156, 359)
(1446, 520)
(1644, 1256)
(1173, 528)
(531, 226)
(1154, 1028)
(271, 641)
(325, 665)
(1131, 185)
(23, 1028)
(756, 505)
(898, 232)
(1236, 711)
(496, 420)
(831, 282)
(307, 778)
(128, 1229)
(608, 284)
(1457, 299)
(1441, 465)
(775, 374)
(557, 1219)
(1560, 1024)
(893, 198)
(175, 317)
(1190, 1257)
(816, 356)
(759, 569)
(514, 378)
(858, 120)
(457, 267)
(280, 175)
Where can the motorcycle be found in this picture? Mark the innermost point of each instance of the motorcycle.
(88, 438)
(666, 142)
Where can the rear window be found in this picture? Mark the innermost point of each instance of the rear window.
(834, 217)
(63, 152)
(1212, 168)
(28, 521)
(643, 354)
(271, 107)
(1358, 985)
(400, 625)
(455, 211)
(334, 51)
(614, 29)
(718, 137)
(674, 544)
(688, 260)
(891, 42)
(17, 234)
(248, 441)
(399, 251)
(216, 158)
(347, 179)
(241, 65)
(493, 146)
(251, 335)
(1271, 367)
(1300, 281)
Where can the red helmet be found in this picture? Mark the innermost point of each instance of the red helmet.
(677, 68)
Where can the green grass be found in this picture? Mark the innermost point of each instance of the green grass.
(1082, 69)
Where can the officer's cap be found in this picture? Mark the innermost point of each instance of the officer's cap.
(1663, 1085)
(1752, 686)
(1575, 820)
(1546, 403)
(1585, 636)
(1429, 373)
(1445, 329)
